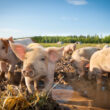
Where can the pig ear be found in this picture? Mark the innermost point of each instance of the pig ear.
(87, 65)
(54, 53)
(11, 39)
(19, 50)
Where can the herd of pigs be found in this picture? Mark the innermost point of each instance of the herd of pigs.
(39, 62)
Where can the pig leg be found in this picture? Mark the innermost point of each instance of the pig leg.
(35, 85)
(11, 68)
(30, 87)
(79, 69)
(95, 71)
(91, 72)
(82, 67)
(89, 75)
(76, 66)
(22, 79)
(81, 72)
(10, 75)
(99, 78)
(48, 83)
(50, 77)
(3, 69)
(22, 82)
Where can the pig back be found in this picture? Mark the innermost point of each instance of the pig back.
(34, 45)
(101, 58)
(84, 52)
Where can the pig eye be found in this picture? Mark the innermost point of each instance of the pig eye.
(42, 59)
(3, 47)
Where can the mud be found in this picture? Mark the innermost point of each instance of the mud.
(81, 93)
(72, 92)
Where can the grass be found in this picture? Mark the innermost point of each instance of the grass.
(78, 45)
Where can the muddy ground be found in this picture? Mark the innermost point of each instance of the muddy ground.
(71, 92)
(82, 94)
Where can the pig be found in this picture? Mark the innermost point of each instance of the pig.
(106, 46)
(81, 57)
(7, 56)
(70, 47)
(99, 63)
(3, 70)
(38, 62)
(25, 41)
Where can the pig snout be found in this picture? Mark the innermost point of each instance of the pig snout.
(28, 71)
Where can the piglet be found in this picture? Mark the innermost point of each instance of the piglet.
(38, 62)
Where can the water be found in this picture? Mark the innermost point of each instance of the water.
(83, 94)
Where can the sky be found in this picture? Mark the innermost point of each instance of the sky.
(25, 18)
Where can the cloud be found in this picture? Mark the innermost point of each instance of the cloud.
(7, 32)
(103, 34)
(77, 2)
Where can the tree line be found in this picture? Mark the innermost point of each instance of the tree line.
(72, 39)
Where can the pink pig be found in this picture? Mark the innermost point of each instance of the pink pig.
(70, 47)
(37, 62)
(7, 57)
(99, 63)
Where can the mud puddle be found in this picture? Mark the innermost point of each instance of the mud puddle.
(82, 96)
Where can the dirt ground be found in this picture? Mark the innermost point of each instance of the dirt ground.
(86, 95)
(90, 95)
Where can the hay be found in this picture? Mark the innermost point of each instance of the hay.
(12, 98)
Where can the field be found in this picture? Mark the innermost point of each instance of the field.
(78, 45)
(70, 93)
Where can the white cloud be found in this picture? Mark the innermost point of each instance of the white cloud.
(7, 32)
(103, 34)
(77, 2)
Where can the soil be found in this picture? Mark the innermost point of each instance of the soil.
(86, 90)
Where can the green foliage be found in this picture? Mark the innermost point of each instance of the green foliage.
(71, 39)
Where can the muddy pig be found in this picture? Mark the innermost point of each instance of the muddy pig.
(99, 63)
(106, 46)
(70, 47)
(80, 58)
(37, 62)
(7, 57)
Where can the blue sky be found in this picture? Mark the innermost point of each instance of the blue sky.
(21, 18)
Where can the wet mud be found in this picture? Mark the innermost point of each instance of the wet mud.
(72, 92)
(80, 93)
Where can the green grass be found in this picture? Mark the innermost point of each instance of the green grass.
(53, 44)
(78, 45)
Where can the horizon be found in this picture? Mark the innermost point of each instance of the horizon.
(25, 18)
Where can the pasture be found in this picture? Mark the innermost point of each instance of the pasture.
(78, 45)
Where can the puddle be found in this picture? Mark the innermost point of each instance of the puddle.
(83, 95)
